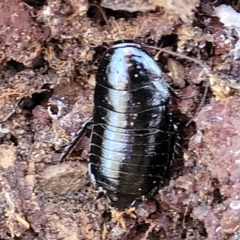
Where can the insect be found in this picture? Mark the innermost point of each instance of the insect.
(132, 131)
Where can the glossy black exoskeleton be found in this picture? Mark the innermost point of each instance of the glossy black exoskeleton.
(132, 131)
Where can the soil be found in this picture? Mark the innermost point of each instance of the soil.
(49, 54)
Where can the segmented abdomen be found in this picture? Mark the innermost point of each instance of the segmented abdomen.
(131, 144)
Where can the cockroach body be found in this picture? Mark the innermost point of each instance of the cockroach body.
(132, 131)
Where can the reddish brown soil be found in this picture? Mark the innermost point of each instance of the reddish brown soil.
(49, 53)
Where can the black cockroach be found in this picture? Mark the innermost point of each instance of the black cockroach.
(132, 131)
